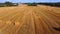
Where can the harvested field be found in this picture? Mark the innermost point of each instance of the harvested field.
(29, 20)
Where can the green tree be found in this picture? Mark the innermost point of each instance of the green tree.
(8, 3)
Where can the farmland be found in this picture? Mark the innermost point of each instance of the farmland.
(29, 20)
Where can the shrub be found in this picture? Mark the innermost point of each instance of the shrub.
(32, 4)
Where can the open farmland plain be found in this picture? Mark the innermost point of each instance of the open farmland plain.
(29, 20)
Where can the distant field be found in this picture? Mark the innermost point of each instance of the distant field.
(25, 19)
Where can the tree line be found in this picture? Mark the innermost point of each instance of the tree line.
(29, 4)
(49, 4)
(57, 4)
(8, 4)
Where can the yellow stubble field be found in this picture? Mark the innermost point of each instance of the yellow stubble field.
(29, 20)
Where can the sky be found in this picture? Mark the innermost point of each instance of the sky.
(23, 1)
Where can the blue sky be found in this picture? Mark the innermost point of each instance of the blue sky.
(30, 0)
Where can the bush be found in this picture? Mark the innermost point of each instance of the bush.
(32, 4)
(2, 4)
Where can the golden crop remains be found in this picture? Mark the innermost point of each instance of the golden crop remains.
(29, 20)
